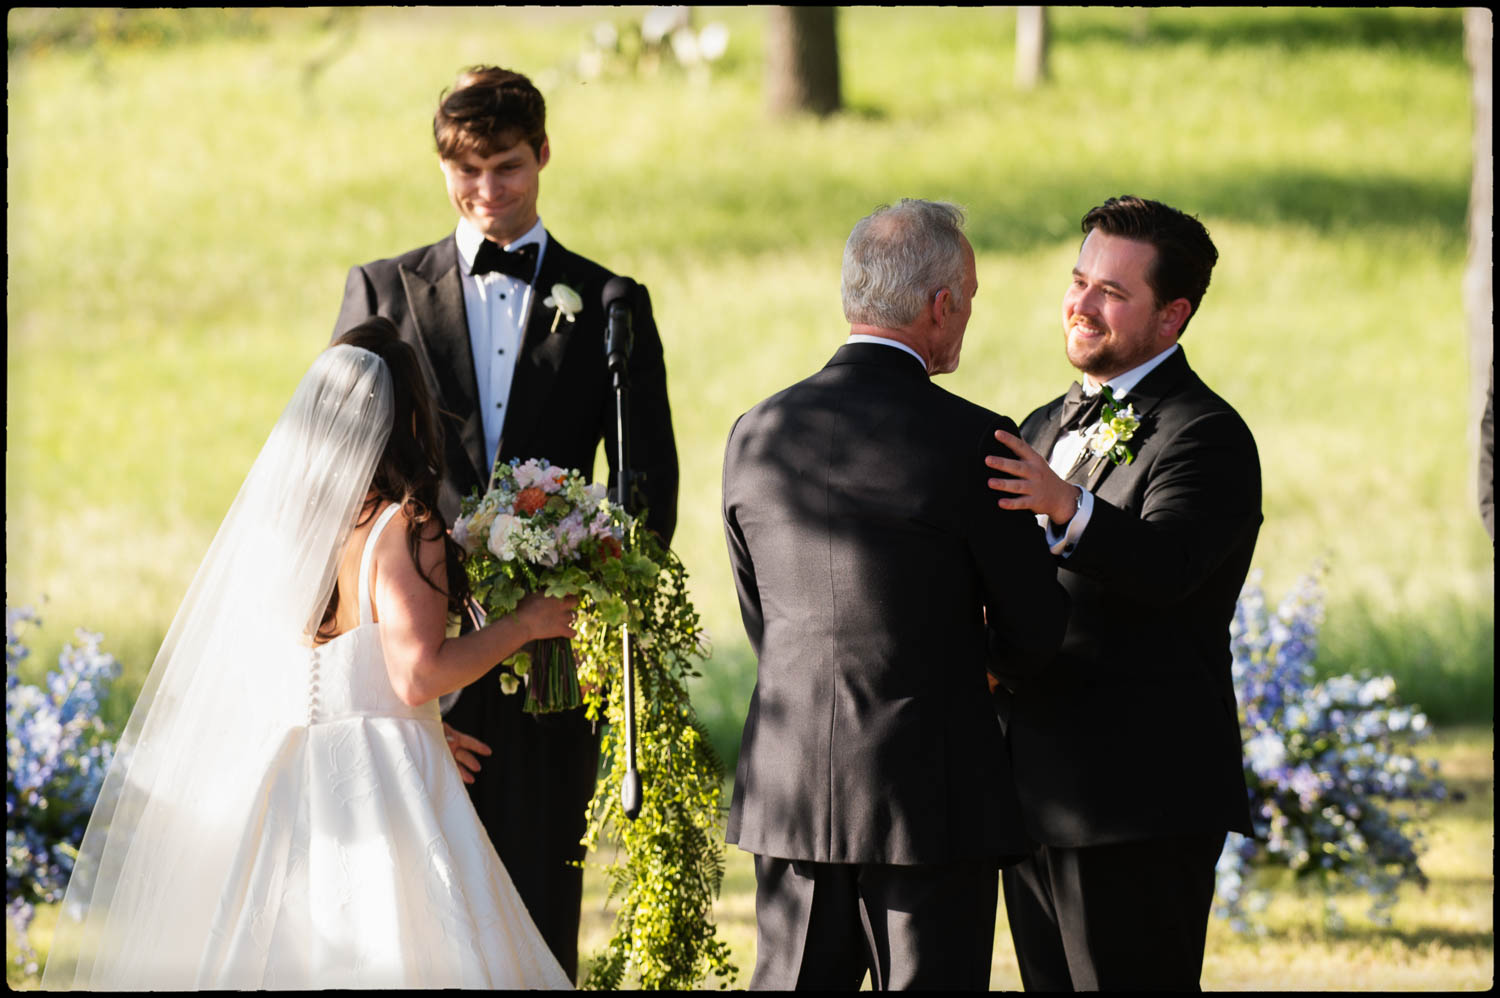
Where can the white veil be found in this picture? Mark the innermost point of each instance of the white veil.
(227, 693)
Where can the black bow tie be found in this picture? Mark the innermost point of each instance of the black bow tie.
(1078, 409)
(519, 263)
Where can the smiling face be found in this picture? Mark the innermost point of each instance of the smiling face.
(497, 193)
(1111, 322)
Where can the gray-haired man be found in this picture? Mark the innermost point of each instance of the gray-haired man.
(875, 579)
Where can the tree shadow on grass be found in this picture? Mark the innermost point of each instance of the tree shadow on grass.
(1434, 34)
(748, 213)
(1371, 206)
(1361, 930)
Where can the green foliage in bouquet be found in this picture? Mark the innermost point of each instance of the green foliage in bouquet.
(540, 528)
(545, 529)
(673, 860)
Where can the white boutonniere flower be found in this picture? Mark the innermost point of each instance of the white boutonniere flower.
(566, 301)
(1108, 437)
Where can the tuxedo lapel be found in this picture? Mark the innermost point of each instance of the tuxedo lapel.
(436, 298)
(1051, 429)
(1145, 397)
(543, 349)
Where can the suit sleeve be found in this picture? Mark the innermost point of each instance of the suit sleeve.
(653, 446)
(359, 302)
(1026, 609)
(1202, 496)
(740, 564)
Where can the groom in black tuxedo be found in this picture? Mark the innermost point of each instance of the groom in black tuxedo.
(874, 577)
(519, 371)
(1127, 748)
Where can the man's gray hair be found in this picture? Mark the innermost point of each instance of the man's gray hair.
(897, 258)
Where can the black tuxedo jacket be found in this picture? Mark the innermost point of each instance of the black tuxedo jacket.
(562, 401)
(868, 552)
(1133, 733)
(561, 405)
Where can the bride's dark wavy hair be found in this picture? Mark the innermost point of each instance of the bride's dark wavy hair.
(411, 466)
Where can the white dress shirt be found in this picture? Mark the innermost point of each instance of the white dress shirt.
(1065, 454)
(497, 307)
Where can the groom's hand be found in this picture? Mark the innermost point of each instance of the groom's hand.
(1034, 485)
(463, 748)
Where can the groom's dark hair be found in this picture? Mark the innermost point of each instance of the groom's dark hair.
(1185, 255)
(488, 110)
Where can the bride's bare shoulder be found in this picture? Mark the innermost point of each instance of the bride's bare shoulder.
(394, 549)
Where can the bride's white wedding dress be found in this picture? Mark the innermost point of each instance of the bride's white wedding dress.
(365, 865)
(274, 816)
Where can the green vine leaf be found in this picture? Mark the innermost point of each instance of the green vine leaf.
(672, 864)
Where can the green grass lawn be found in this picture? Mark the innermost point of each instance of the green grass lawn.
(1440, 939)
(181, 218)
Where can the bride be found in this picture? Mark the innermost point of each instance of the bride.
(282, 810)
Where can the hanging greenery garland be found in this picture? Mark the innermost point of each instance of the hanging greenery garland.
(672, 865)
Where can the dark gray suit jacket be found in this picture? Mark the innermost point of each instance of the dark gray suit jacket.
(867, 553)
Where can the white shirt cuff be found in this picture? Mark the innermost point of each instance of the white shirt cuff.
(1062, 544)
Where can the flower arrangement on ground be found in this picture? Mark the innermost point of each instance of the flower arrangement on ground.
(1324, 760)
(545, 529)
(57, 751)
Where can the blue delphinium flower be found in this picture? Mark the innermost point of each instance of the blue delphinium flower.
(56, 753)
(1322, 762)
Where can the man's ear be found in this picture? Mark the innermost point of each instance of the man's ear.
(1172, 317)
(544, 155)
(942, 304)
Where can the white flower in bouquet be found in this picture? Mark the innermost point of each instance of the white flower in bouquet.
(503, 534)
(461, 535)
(477, 523)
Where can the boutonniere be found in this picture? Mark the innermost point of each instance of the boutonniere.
(1108, 437)
(566, 301)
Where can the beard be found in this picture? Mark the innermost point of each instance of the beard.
(1111, 354)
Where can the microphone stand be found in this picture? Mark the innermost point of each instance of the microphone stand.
(630, 789)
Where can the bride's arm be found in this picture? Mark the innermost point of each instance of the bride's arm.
(423, 663)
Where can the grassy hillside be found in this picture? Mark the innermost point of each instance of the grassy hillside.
(182, 216)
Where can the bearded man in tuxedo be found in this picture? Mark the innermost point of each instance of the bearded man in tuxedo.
(519, 371)
(1127, 749)
(875, 579)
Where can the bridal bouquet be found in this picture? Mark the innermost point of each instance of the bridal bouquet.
(544, 529)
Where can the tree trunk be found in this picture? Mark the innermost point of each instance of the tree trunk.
(1479, 288)
(802, 60)
(1031, 47)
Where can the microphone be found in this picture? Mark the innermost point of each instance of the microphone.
(619, 335)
